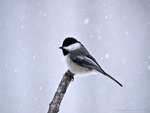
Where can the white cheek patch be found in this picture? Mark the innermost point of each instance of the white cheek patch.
(73, 47)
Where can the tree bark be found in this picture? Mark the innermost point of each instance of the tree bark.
(61, 90)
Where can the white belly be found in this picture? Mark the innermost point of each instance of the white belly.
(75, 68)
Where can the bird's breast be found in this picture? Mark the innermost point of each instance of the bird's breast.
(75, 68)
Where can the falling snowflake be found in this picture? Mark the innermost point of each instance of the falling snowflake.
(22, 27)
(29, 86)
(15, 70)
(124, 61)
(106, 17)
(40, 87)
(126, 32)
(24, 94)
(99, 37)
(5, 65)
(86, 21)
(107, 55)
(22, 49)
(33, 57)
(148, 67)
(91, 36)
(104, 4)
(35, 99)
(44, 14)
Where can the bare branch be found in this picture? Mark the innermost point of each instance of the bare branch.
(61, 90)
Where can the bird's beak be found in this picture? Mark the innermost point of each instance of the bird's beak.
(60, 47)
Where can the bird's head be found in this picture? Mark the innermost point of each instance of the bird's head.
(70, 44)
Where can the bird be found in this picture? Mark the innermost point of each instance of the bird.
(79, 60)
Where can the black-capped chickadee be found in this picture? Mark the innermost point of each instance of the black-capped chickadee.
(79, 60)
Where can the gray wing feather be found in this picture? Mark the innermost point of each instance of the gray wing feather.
(87, 62)
(90, 62)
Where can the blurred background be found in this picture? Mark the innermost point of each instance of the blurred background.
(116, 33)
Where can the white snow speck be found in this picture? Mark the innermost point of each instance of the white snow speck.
(135, 97)
(22, 27)
(24, 94)
(33, 57)
(122, 107)
(114, 96)
(26, 53)
(105, 11)
(106, 17)
(91, 36)
(123, 61)
(104, 4)
(117, 4)
(23, 16)
(5, 65)
(29, 86)
(21, 105)
(126, 32)
(44, 14)
(22, 49)
(148, 67)
(107, 55)
(86, 21)
(149, 57)
(101, 58)
(99, 37)
(15, 70)
(35, 99)
(140, 73)
(40, 87)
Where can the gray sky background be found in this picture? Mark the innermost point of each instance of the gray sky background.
(116, 33)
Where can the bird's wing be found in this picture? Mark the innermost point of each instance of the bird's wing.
(90, 62)
(87, 62)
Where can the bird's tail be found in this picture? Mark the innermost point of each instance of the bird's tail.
(103, 72)
(112, 78)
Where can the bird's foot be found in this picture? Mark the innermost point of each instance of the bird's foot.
(70, 74)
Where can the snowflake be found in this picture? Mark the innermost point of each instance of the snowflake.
(86, 21)
(15, 70)
(33, 57)
(107, 55)
(126, 32)
(148, 67)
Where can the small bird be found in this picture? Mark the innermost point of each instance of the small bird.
(79, 60)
